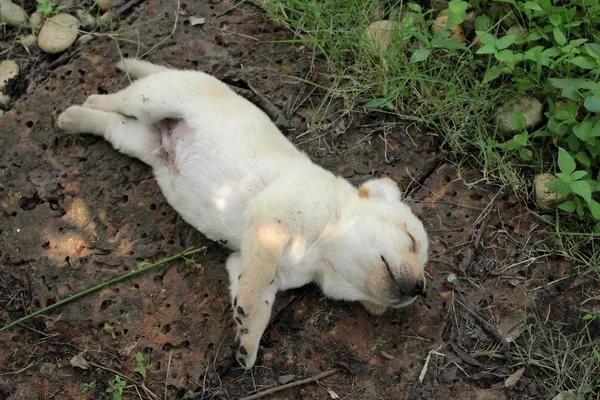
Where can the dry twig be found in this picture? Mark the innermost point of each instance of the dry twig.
(290, 385)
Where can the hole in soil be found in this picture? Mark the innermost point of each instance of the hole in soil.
(101, 90)
(29, 203)
(105, 304)
(144, 236)
(53, 205)
(61, 229)
(13, 214)
(466, 216)
(135, 286)
(167, 347)
(451, 193)
(125, 331)
(449, 214)
(205, 295)
(124, 199)
(166, 329)
(157, 366)
(153, 206)
(171, 241)
(158, 279)
(46, 246)
(475, 196)
(447, 179)
(50, 301)
(124, 169)
(164, 213)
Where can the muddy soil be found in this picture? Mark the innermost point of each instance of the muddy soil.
(74, 212)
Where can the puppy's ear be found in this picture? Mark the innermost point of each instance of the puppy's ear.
(383, 188)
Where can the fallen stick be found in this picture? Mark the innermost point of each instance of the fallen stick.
(76, 296)
(290, 385)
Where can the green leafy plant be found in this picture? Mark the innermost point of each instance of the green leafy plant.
(142, 368)
(47, 7)
(117, 388)
(88, 387)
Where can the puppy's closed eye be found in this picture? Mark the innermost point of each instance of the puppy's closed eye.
(413, 247)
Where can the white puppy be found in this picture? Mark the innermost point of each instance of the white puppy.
(225, 167)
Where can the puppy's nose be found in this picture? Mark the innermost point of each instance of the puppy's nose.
(419, 289)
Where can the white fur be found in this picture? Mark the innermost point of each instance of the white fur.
(226, 168)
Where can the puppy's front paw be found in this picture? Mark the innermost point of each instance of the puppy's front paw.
(97, 102)
(246, 348)
(74, 119)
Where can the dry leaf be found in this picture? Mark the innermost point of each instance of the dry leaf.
(197, 21)
(332, 394)
(79, 362)
(512, 380)
(507, 329)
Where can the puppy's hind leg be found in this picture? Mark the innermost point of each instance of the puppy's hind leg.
(127, 135)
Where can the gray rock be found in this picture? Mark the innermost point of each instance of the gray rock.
(88, 23)
(530, 107)
(4, 99)
(28, 40)
(35, 21)
(58, 33)
(8, 70)
(543, 195)
(12, 14)
(85, 39)
(47, 369)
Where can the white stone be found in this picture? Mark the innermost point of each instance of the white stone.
(530, 107)
(28, 40)
(35, 21)
(4, 99)
(8, 70)
(12, 14)
(58, 33)
(543, 195)
(88, 23)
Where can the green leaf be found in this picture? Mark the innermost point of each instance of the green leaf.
(566, 163)
(530, 5)
(584, 62)
(556, 20)
(376, 103)
(593, 50)
(577, 175)
(419, 55)
(596, 130)
(505, 41)
(139, 357)
(583, 130)
(414, 7)
(458, 7)
(495, 72)
(573, 142)
(562, 114)
(486, 37)
(559, 37)
(583, 158)
(563, 176)
(525, 154)
(559, 187)
(568, 206)
(517, 120)
(594, 208)
(592, 103)
(487, 49)
(583, 189)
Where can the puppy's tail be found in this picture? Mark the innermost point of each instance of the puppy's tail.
(139, 68)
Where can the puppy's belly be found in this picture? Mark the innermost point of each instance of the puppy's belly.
(208, 183)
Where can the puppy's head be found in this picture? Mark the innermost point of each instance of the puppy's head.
(382, 248)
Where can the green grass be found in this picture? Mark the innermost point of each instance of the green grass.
(451, 89)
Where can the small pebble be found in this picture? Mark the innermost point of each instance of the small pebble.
(58, 33)
(12, 14)
(35, 21)
(530, 107)
(8, 70)
(283, 379)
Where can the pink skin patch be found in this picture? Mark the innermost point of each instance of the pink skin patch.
(173, 132)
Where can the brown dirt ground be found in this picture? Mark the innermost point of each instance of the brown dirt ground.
(74, 212)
